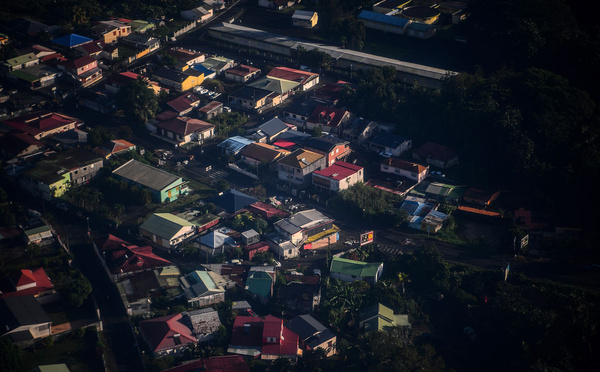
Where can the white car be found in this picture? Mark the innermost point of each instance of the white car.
(226, 109)
(277, 263)
(385, 154)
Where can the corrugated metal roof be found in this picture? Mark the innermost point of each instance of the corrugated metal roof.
(382, 18)
(146, 175)
(164, 225)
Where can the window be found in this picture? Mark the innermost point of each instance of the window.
(271, 339)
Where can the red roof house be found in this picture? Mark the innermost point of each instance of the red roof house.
(266, 210)
(166, 334)
(330, 119)
(42, 124)
(114, 147)
(123, 258)
(28, 283)
(338, 176)
(254, 336)
(306, 79)
(226, 363)
(184, 104)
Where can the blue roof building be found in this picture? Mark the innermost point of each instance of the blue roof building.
(233, 145)
(71, 41)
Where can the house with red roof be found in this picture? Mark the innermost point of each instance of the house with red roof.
(181, 130)
(329, 119)
(265, 338)
(117, 81)
(241, 73)
(210, 110)
(42, 124)
(226, 363)
(83, 70)
(114, 147)
(338, 176)
(167, 334)
(184, 104)
(306, 79)
(412, 171)
(26, 282)
(267, 211)
(436, 155)
(122, 258)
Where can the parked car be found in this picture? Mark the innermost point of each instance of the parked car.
(226, 109)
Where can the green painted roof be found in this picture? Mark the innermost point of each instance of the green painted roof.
(164, 225)
(378, 317)
(19, 60)
(23, 75)
(259, 283)
(51, 368)
(356, 268)
(277, 85)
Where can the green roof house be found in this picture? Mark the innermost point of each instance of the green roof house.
(201, 290)
(166, 230)
(164, 186)
(379, 318)
(350, 270)
(260, 285)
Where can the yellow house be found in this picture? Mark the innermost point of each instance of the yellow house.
(179, 80)
(111, 31)
(304, 18)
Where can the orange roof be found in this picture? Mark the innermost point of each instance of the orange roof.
(479, 211)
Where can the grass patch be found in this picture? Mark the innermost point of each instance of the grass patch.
(79, 356)
(60, 312)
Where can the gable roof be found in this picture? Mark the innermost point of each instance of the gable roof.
(249, 331)
(185, 126)
(184, 102)
(251, 93)
(113, 147)
(41, 121)
(133, 258)
(379, 317)
(233, 200)
(241, 70)
(26, 277)
(356, 268)
(212, 105)
(164, 225)
(273, 127)
(291, 74)
(267, 210)
(235, 143)
(405, 165)
(72, 40)
(332, 115)
(303, 220)
(19, 60)
(161, 333)
(145, 175)
(215, 239)
(279, 86)
(203, 321)
(263, 152)
(310, 330)
(199, 283)
(21, 311)
(324, 143)
(259, 283)
(301, 158)
(171, 75)
(339, 170)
